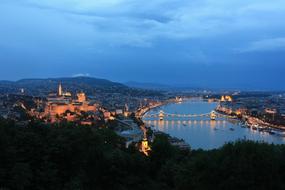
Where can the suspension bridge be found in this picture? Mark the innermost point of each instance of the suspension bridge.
(213, 115)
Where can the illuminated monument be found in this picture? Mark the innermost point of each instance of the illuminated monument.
(63, 105)
(145, 148)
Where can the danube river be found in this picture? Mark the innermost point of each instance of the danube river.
(202, 132)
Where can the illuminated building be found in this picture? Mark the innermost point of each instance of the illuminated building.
(107, 115)
(241, 111)
(62, 105)
(238, 113)
(81, 97)
(22, 91)
(211, 100)
(67, 94)
(126, 111)
(226, 99)
(178, 99)
(229, 98)
(270, 111)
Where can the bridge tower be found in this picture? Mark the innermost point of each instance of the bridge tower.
(213, 115)
(161, 115)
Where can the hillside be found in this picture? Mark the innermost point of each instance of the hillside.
(39, 87)
(91, 86)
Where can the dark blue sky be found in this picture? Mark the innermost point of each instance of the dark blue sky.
(201, 43)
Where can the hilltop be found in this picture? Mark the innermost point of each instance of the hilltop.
(41, 87)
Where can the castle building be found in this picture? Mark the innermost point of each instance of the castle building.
(63, 105)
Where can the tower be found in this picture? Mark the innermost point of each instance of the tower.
(81, 97)
(213, 115)
(161, 115)
(126, 107)
(60, 90)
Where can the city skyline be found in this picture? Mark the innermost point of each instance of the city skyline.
(133, 94)
(207, 44)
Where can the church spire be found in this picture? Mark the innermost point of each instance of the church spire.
(60, 90)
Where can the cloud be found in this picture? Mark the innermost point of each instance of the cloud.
(271, 44)
(161, 39)
(137, 23)
(110, 24)
(140, 24)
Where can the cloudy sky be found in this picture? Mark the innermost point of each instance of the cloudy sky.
(201, 43)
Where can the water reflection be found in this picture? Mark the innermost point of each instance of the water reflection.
(186, 123)
(203, 132)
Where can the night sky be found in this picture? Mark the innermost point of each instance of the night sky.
(199, 43)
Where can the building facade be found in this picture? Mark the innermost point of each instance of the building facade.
(63, 105)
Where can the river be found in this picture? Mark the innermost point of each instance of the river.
(202, 132)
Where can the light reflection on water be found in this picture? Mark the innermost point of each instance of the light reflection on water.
(202, 132)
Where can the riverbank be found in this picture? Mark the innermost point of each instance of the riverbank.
(174, 141)
(142, 111)
(256, 123)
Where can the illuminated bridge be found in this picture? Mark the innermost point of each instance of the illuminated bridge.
(169, 116)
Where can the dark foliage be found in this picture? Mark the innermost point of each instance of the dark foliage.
(69, 157)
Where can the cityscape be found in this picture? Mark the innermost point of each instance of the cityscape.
(121, 94)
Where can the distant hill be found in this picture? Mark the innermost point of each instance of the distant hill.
(163, 87)
(93, 82)
(41, 87)
(154, 86)
(91, 86)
